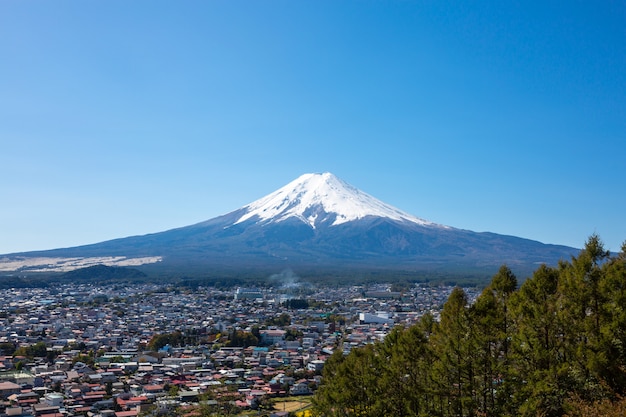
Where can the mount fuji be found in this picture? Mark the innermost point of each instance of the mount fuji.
(315, 224)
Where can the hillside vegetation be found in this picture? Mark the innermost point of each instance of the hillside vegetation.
(554, 346)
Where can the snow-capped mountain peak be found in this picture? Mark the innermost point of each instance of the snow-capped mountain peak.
(319, 198)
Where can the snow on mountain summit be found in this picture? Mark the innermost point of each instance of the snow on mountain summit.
(319, 198)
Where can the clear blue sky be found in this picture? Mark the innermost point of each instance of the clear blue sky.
(120, 118)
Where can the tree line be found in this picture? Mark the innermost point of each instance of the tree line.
(554, 346)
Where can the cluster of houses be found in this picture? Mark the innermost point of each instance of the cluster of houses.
(100, 360)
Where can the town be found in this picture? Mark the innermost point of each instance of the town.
(127, 350)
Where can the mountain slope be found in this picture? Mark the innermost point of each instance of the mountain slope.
(322, 199)
(319, 221)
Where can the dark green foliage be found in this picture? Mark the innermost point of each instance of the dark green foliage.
(353, 384)
(209, 275)
(283, 320)
(239, 338)
(11, 281)
(556, 345)
(537, 344)
(292, 334)
(160, 340)
(103, 273)
(7, 348)
(296, 304)
(38, 350)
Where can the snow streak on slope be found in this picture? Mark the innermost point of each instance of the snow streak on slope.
(318, 198)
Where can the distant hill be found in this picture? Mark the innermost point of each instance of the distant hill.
(103, 273)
